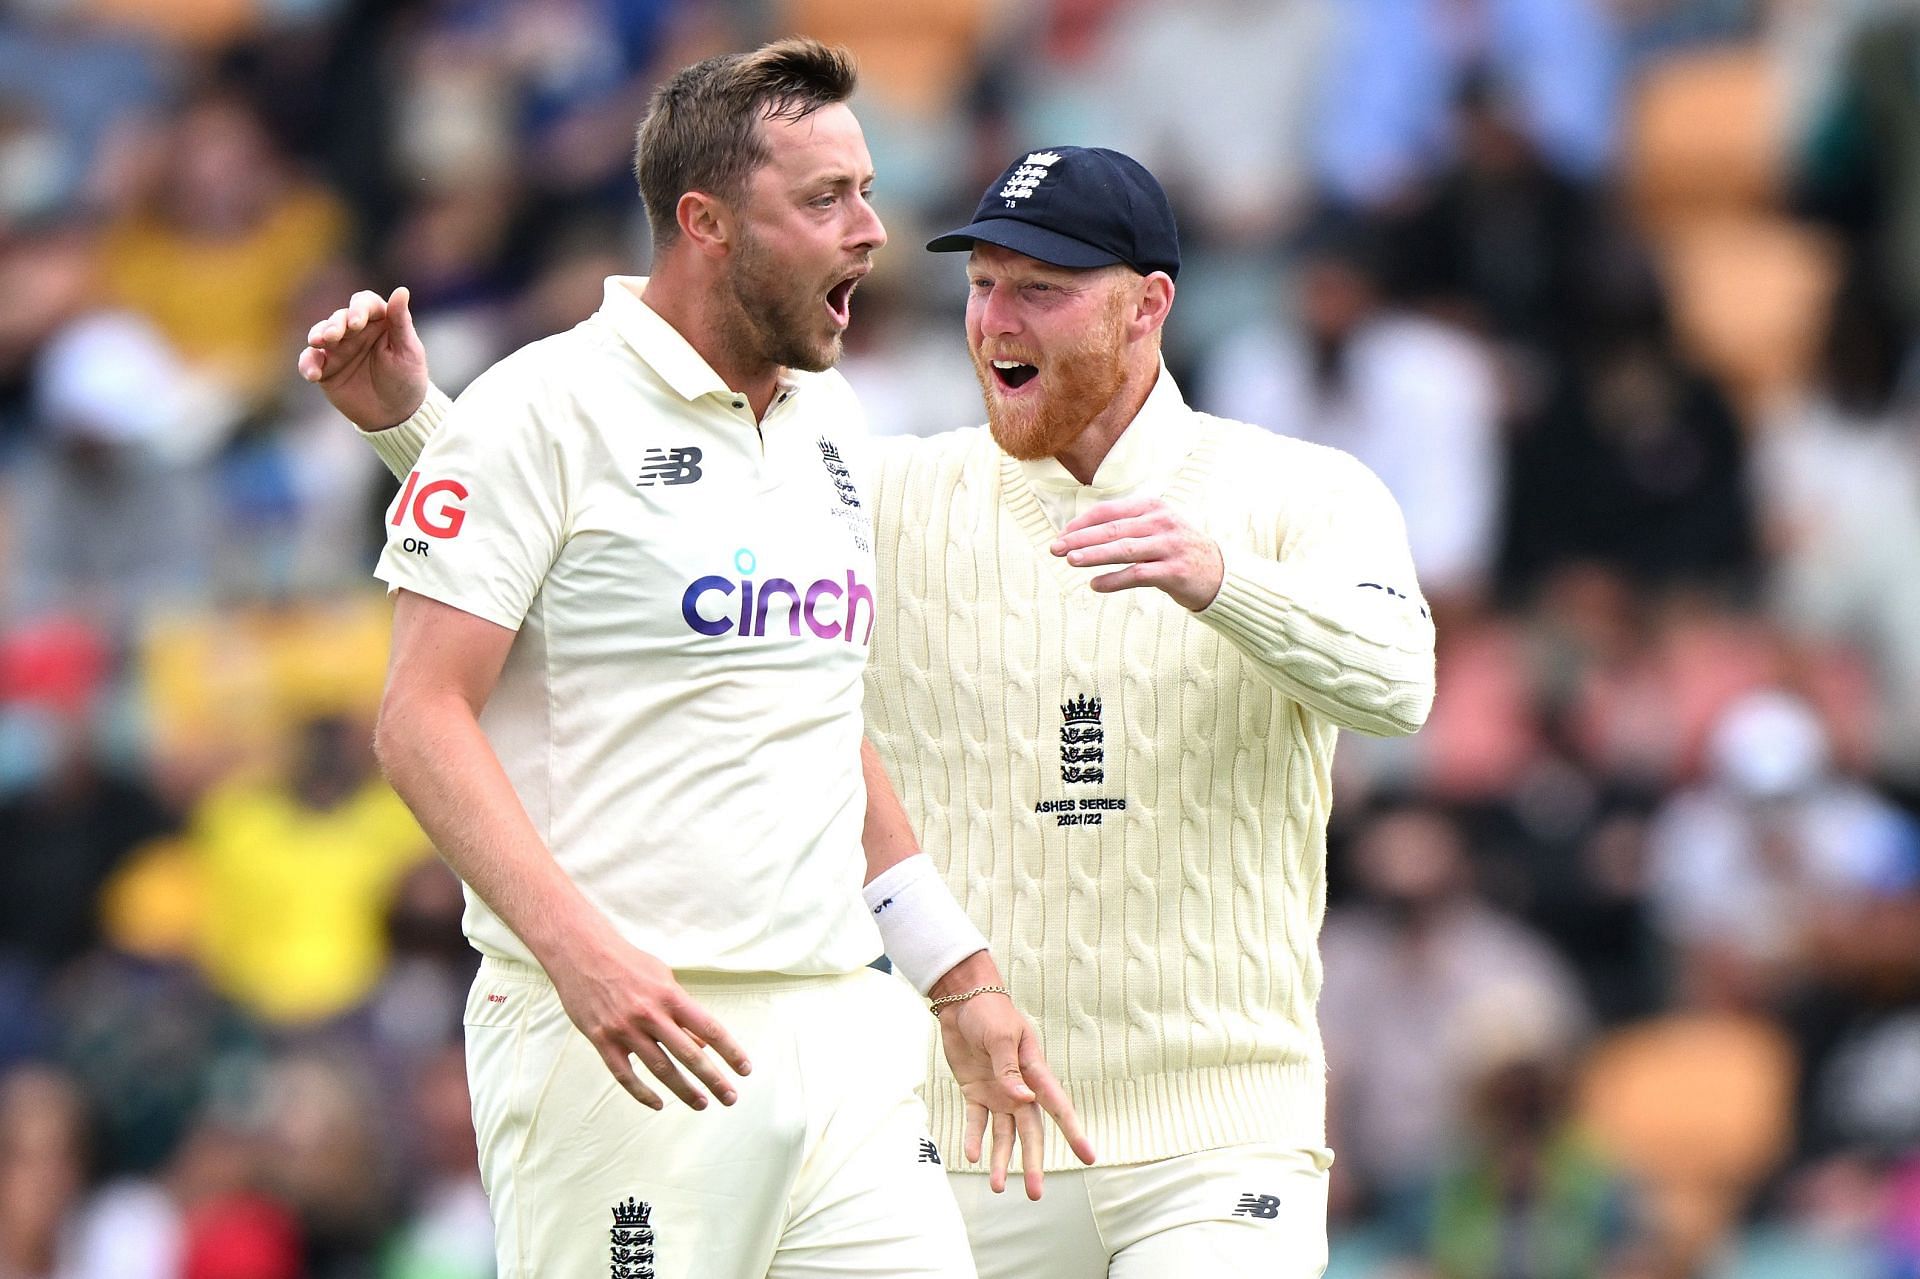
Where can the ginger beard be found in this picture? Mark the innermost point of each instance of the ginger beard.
(776, 318)
(1073, 387)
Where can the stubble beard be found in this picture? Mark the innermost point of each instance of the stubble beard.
(1078, 384)
(775, 321)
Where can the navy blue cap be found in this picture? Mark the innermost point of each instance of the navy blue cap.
(1075, 207)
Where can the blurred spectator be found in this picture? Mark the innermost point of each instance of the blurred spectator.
(1861, 168)
(1555, 367)
(415, 1012)
(1697, 1106)
(1527, 1195)
(223, 241)
(1638, 463)
(448, 1234)
(1228, 124)
(1417, 970)
(68, 817)
(1400, 64)
(76, 98)
(46, 280)
(202, 1213)
(1500, 240)
(242, 1236)
(1838, 477)
(325, 1159)
(43, 1171)
(1414, 399)
(152, 1048)
(1766, 875)
(111, 519)
(297, 871)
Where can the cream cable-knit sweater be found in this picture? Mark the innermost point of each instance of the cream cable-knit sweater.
(1129, 798)
(1157, 917)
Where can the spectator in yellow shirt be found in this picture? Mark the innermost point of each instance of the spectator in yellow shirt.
(297, 872)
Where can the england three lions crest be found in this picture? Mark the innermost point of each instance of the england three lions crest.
(1083, 748)
(632, 1244)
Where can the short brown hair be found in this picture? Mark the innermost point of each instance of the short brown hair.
(702, 130)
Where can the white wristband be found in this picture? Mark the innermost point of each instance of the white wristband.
(922, 927)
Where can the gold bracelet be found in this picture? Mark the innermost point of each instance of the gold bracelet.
(963, 997)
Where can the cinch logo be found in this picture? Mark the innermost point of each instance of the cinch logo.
(829, 608)
(441, 519)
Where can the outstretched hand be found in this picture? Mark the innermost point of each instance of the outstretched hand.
(995, 1057)
(369, 361)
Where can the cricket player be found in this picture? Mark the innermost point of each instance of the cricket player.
(635, 592)
(1119, 638)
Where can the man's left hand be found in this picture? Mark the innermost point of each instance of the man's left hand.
(1158, 545)
(995, 1057)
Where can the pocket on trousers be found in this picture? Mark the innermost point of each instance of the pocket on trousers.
(494, 1022)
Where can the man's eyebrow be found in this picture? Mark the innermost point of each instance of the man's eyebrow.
(837, 180)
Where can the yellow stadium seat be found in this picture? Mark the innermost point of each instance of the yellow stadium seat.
(1698, 1108)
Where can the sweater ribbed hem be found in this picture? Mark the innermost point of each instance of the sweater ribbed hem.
(1150, 1117)
(399, 446)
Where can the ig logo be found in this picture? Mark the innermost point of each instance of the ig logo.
(441, 519)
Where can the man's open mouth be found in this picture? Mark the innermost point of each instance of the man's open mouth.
(840, 300)
(1013, 374)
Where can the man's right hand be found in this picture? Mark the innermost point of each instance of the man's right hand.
(628, 1005)
(369, 361)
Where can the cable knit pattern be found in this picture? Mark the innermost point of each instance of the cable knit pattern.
(1168, 953)
(399, 446)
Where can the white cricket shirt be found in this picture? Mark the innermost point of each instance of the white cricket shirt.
(693, 601)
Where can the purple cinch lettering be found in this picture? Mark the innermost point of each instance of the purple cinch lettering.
(768, 589)
(855, 593)
(825, 586)
(689, 605)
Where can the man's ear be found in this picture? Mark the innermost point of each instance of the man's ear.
(1151, 305)
(707, 223)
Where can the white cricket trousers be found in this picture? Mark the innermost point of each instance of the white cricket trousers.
(821, 1168)
(1258, 1210)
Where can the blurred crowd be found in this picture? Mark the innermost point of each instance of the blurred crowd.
(1620, 297)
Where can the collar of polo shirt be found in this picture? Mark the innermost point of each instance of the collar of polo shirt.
(666, 351)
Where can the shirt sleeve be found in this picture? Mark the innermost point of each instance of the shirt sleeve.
(1337, 622)
(399, 446)
(482, 516)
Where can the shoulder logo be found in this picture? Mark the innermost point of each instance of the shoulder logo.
(1399, 595)
(670, 466)
(1266, 1207)
(1026, 179)
(1083, 748)
(929, 1153)
(435, 518)
(632, 1248)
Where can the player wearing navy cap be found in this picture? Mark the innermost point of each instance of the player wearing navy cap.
(1118, 640)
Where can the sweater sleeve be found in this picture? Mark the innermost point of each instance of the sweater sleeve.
(399, 446)
(1337, 622)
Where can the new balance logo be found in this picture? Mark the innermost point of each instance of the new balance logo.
(1265, 1206)
(929, 1153)
(670, 466)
